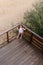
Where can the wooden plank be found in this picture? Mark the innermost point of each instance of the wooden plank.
(19, 52)
(36, 46)
(37, 40)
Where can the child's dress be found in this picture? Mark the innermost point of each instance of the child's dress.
(21, 30)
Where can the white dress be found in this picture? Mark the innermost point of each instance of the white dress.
(21, 30)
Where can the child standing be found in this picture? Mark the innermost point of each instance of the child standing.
(20, 32)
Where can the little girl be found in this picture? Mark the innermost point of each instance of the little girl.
(20, 32)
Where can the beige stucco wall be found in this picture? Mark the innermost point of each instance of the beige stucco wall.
(13, 11)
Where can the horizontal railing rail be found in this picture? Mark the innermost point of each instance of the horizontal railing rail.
(29, 35)
(33, 38)
(8, 35)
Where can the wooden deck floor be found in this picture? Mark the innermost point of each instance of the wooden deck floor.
(20, 52)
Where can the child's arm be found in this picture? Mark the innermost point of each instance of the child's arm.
(17, 28)
(24, 29)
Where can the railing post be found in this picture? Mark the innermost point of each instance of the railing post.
(31, 37)
(7, 38)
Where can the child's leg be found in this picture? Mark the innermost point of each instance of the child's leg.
(21, 36)
(18, 35)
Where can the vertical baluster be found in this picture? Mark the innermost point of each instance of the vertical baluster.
(31, 37)
(7, 38)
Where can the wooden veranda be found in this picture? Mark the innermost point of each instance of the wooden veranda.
(26, 51)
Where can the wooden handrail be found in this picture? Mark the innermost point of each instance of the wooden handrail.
(7, 35)
(35, 39)
(33, 32)
(8, 30)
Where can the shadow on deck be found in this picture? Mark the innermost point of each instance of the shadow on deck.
(20, 52)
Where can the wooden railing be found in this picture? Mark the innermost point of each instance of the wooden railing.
(8, 36)
(33, 38)
(29, 35)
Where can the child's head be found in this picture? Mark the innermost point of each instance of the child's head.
(21, 26)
